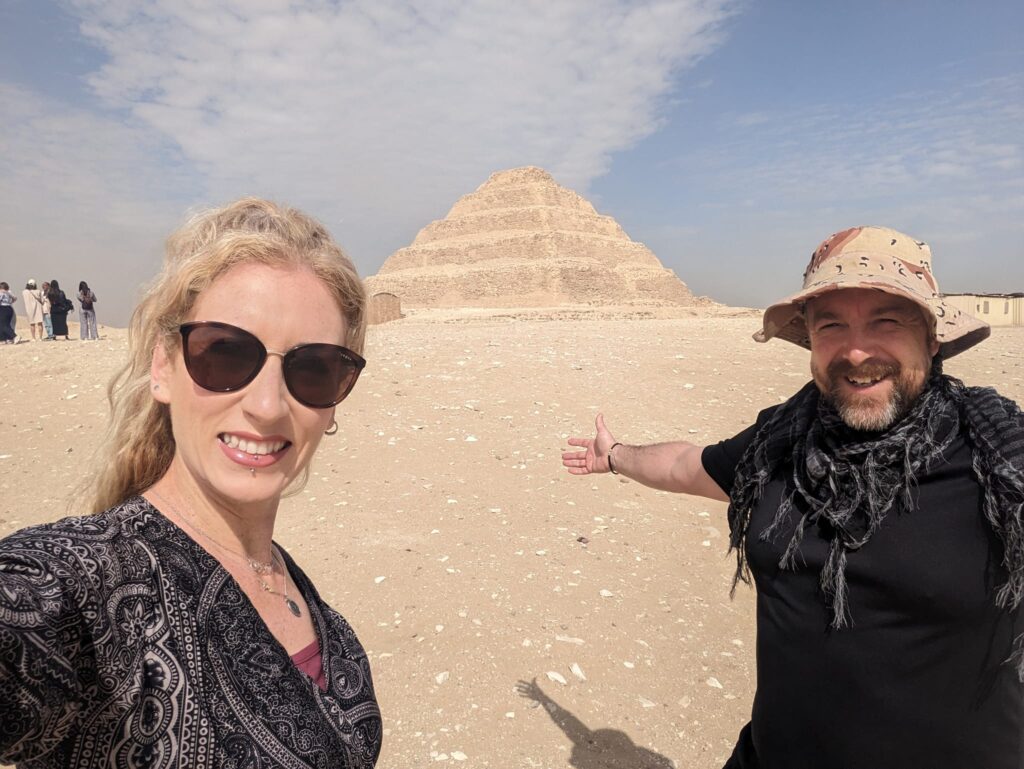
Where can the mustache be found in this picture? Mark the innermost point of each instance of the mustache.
(872, 368)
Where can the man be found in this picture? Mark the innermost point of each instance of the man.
(879, 511)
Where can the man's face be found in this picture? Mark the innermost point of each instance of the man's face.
(870, 354)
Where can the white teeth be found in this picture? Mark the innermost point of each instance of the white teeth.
(252, 447)
(862, 381)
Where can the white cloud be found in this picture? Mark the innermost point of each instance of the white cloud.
(943, 165)
(86, 197)
(377, 114)
(922, 146)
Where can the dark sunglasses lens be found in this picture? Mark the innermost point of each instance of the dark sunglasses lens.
(320, 375)
(222, 359)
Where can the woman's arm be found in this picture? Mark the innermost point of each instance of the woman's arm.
(46, 652)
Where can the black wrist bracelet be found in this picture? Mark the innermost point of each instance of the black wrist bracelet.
(610, 465)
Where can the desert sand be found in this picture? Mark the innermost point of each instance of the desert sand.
(440, 522)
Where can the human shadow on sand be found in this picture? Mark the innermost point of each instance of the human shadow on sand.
(594, 748)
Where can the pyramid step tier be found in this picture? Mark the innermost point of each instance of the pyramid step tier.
(510, 282)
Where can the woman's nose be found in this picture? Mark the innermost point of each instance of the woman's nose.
(266, 397)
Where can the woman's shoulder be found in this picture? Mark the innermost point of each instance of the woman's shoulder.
(78, 533)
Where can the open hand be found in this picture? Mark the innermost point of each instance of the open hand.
(594, 457)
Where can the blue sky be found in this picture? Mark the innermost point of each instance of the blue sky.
(731, 137)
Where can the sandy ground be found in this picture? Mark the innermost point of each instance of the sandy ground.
(440, 522)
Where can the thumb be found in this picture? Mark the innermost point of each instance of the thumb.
(599, 423)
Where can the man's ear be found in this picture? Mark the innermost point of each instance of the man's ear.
(160, 370)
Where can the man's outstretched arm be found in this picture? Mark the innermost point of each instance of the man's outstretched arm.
(674, 466)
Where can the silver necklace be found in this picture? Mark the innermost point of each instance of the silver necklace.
(293, 607)
(259, 568)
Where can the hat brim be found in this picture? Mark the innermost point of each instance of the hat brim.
(955, 330)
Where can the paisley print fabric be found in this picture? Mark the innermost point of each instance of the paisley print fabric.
(123, 643)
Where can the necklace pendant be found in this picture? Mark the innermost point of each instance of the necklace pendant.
(293, 607)
(259, 567)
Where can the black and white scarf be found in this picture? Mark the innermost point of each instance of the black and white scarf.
(851, 480)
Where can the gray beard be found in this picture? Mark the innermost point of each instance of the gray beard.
(858, 417)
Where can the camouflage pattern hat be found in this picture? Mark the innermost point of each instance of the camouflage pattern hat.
(874, 257)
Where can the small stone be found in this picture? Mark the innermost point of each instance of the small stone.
(577, 671)
(556, 677)
(606, 593)
(442, 677)
(458, 755)
(646, 703)
(714, 683)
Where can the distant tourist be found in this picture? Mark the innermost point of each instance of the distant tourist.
(880, 511)
(60, 306)
(34, 309)
(170, 630)
(7, 300)
(47, 320)
(86, 314)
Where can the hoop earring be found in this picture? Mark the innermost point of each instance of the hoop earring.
(333, 428)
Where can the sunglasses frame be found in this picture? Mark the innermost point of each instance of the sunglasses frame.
(185, 329)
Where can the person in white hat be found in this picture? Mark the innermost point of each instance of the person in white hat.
(880, 512)
(34, 308)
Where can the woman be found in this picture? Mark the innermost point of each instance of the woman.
(171, 626)
(86, 315)
(34, 308)
(47, 321)
(60, 306)
(7, 300)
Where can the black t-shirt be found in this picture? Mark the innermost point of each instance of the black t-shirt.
(919, 678)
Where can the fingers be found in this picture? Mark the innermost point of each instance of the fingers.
(575, 462)
(584, 442)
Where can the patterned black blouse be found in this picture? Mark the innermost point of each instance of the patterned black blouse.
(123, 643)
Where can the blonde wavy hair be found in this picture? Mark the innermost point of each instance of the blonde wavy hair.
(139, 445)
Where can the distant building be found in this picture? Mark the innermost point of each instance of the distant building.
(384, 307)
(994, 309)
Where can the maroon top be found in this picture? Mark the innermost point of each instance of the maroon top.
(310, 662)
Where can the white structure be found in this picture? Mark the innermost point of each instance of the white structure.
(994, 309)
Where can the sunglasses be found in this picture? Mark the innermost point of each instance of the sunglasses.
(224, 358)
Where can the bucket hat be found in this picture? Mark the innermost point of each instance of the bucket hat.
(883, 259)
